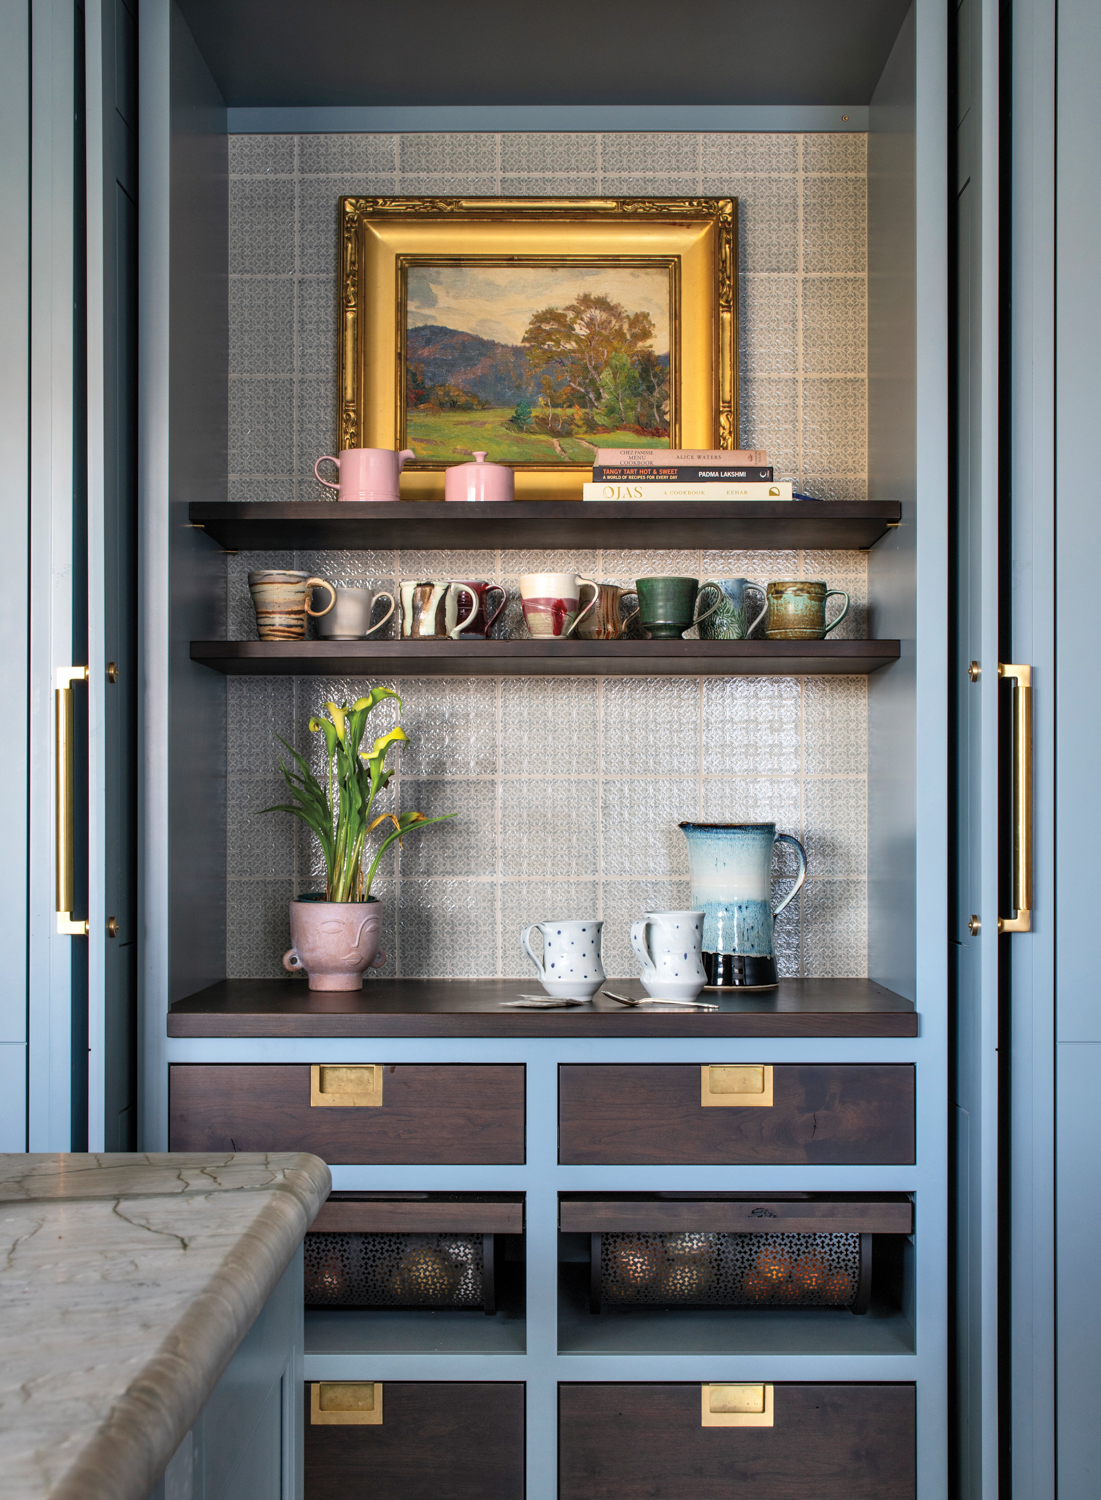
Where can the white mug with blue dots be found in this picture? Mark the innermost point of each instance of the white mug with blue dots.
(569, 966)
(668, 945)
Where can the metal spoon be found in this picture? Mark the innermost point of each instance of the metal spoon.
(688, 1004)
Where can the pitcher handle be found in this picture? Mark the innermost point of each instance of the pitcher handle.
(834, 623)
(764, 607)
(640, 945)
(327, 458)
(526, 945)
(382, 594)
(319, 583)
(581, 582)
(786, 838)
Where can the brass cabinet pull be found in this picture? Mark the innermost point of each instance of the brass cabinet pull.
(1021, 678)
(346, 1403)
(737, 1085)
(346, 1085)
(65, 800)
(738, 1405)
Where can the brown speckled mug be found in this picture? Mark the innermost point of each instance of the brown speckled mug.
(797, 610)
(281, 599)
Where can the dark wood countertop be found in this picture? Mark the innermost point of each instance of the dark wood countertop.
(472, 1007)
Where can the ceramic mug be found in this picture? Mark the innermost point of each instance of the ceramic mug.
(350, 617)
(281, 599)
(551, 602)
(459, 596)
(424, 611)
(797, 610)
(479, 481)
(366, 473)
(569, 967)
(668, 944)
(607, 621)
(666, 606)
(729, 620)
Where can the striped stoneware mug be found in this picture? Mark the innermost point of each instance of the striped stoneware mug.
(281, 599)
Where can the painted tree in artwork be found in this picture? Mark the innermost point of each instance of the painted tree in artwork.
(580, 340)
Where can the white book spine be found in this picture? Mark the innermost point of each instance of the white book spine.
(780, 489)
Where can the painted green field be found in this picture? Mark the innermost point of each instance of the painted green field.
(457, 434)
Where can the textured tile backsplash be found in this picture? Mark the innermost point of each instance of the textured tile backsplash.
(568, 790)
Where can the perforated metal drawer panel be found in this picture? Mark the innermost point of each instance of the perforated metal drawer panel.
(395, 1270)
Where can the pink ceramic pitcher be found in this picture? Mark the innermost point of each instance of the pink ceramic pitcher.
(366, 473)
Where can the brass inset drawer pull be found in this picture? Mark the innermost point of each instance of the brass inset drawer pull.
(741, 1405)
(739, 1085)
(346, 1085)
(346, 1403)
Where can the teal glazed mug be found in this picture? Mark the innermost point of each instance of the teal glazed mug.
(797, 610)
(666, 606)
(728, 619)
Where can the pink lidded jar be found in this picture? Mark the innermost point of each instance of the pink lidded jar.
(478, 481)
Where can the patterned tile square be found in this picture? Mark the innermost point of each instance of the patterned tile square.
(261, 426)
(769, 419)
(638, 826)
(835, 827)
(260, 846)
(787, 934)
(549, 827)
(448, 928)
(833, 488)
(546, 185)
(526, 901)
(257, 709)
(760, 567)
(830, 151)
(475, 565)
(768, 325)
(751, 725)
(649, 185)
(730, 152)
(623, 903)
(626, 566)
(318, 199)
(351, 569)
(261, 325)
(261, 155)
(465, 845)
(257, 929)
(248, 489)
(835, 425)
(835, 929)
(649, 151)
(835, 726)
(317, 309)
(513, 564)
(835, 325)
(316, 433)
(346, 154)
(753, 799)
(549, 725)
(261, 226)
(447, 185)
(651, 726)
(768, 209)
(547, 151)
(835, 224)
(451, 724)
(452, 152)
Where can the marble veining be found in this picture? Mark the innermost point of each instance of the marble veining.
(126, 1284)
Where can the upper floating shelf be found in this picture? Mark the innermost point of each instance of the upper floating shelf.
(309, 525)
(543, 658)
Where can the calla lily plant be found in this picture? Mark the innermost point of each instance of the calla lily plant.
(342, 818)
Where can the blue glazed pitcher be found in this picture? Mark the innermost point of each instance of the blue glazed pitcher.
(730, 866)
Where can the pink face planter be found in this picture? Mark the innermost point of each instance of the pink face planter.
(366, 473)
(551, 602)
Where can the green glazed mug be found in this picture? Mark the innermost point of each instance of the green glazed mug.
(666, 605)
(797, 610)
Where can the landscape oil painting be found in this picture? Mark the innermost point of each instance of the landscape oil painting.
(537, 364)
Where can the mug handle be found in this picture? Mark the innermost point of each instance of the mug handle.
(526, 945)
(625, 620)
(841, 616)
(581, 582)
(292, 963)
(764, 607)
(709, 584)
(496, 615)
(639, 943)
(786, 838)
(327, 458)
(382, 594)
(319, 583)
(457, 631)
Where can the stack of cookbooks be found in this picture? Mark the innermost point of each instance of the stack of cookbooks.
(684, 474)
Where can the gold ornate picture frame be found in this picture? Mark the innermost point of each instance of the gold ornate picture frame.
(446, 284)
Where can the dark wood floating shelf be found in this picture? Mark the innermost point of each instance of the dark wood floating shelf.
(472, 1007)
(309, 525)
(544, 658)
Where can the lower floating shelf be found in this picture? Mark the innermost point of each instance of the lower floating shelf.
(545, 658)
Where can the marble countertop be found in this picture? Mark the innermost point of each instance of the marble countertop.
(126, 1284)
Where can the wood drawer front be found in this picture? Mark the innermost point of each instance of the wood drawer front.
(463, 1441)
(828, 1114)
(647, 1442)
(464, 1114)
